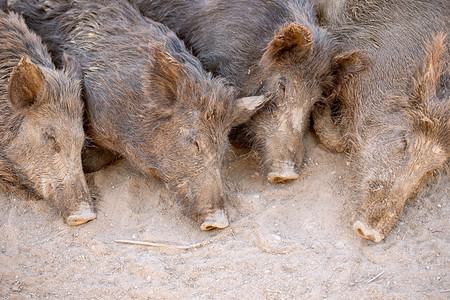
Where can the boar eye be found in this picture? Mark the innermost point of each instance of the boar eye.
(197, 145)
(406, 142)
(403, 147)
(282, 85)
(50, 138)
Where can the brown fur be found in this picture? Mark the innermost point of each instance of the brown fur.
(432, 116)
(292, 39)
(292, 68)
(41, 113)
(147, 97)
(394, 118)
(428, 139)
(26, 84)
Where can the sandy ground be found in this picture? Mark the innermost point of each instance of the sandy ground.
(284, 241)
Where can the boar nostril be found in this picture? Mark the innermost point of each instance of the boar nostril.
(81, 215)
(368, 232)
(217, 219)
(285, 173)
(207, 227)
(280, 177)
(359, 231)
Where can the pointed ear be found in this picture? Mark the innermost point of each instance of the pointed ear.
(347, 64)
(246, 107)
(350, 63)
(26, 83)
(72, 67)
(165, 78)
(426, 78)
(293, 40)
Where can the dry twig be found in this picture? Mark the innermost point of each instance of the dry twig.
(375, 277)
(161, 245)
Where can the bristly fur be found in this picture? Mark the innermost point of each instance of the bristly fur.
(56, 23)
(57, 95)
(3, 5)
(211, 96)
(13, 48)
(291, 36)
(395, 118)
(431, 114)
(295, 67)
(12, 179)
(371, 26)
(13, 33)
(147, 97)
(426, 79)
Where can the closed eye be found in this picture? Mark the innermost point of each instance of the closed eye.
(197, 145)
(402, 144)
(51, 140)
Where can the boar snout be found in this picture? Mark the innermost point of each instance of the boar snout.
(73, 201)
(81, 215)
(380, 212)
(282, 173)
(367, 232)
(79, 210)
(217, 219)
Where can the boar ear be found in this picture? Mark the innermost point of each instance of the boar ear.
(247, 107)
(71, 66)
(293, 40)
(26, 83)
(348, 64)
(427, 76)
(165, 76)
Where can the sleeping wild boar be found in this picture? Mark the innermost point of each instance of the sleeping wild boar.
(295, 67)
(147, 98)
(393, 118)
(41, 123)
(400, 159)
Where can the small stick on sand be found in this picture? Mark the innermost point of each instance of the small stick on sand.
(273, 291)
(223, 232)
(375, 277)
(160, 245)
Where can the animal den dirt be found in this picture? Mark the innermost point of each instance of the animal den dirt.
(285, 241)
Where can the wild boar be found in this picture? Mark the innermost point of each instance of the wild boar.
(148, 98)
(41, 123)
(394, 118)
(296, 66)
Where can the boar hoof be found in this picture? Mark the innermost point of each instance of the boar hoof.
(214, 220)
(280, 177)
(367, 232)
(82, 215)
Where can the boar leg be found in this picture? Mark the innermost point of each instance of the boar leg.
(326, 129)
(95, 157)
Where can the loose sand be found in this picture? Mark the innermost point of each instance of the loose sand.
(287, 241)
